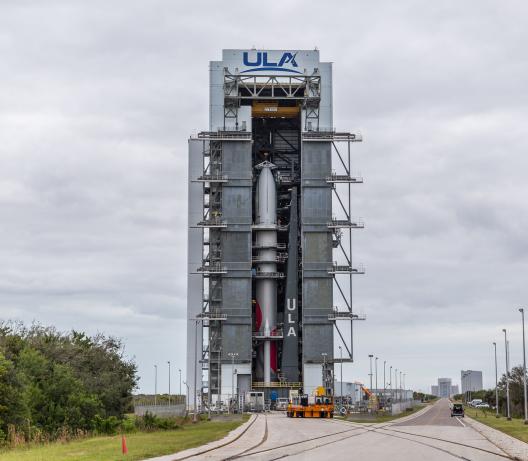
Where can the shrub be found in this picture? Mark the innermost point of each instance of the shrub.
(150, 422)
(106, 426)
(128, 424)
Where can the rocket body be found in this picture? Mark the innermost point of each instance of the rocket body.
(266, 288)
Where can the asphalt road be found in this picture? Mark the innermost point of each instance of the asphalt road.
(438, 415)
(432, 436)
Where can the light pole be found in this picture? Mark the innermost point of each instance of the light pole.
(376, 369)
(396, 384)
(384, 382)
(370, 374)
(195, 414)
(404, 390)
(401, 386)
(155, 384)
(168, 362)
(390, 384)
(232, 355)
(324, 354)
(496, 384)
(341, 372)
(521, 310)
(218, 387)
(179, 371)
(508, 415)
(187, 398)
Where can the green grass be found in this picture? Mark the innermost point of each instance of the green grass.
(516, 427)
(383, 418)
(141, 445)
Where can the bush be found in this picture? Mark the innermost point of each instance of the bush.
(106, 426)
(150, 422)
(128, 424)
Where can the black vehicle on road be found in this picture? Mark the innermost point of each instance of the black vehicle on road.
(457, 410)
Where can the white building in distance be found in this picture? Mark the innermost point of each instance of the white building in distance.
(444, 388)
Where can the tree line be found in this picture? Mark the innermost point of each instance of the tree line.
(55, 384)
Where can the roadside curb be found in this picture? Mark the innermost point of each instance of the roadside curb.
(234, 435)
(513, 447)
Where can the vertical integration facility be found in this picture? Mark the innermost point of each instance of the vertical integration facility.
(270, 230)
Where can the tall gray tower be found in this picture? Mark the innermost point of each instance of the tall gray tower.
(266, 250)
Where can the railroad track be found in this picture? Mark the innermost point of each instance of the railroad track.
(358, 431)
(340, 436)
(209, 450)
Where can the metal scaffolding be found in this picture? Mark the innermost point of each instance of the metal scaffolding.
(303, 88)
(342, 227)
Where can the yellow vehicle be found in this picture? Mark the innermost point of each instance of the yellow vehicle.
(321, 405)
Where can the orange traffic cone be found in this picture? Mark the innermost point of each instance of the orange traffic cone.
(124, 448)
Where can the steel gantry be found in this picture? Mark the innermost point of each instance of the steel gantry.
(212, 269)
(342, 180)
(306, 89)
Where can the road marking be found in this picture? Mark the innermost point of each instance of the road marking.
(458, 419)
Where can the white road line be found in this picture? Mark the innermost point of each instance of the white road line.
(458, 419)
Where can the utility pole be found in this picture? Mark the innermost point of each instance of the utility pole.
(370, 374)
(508, 415)
(521, 310)
(401, 386)
(376, 368)
(168, 361)
(155, 384)
(404, 389)
(496, 384)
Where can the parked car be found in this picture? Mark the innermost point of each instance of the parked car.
(482, 405)
(457, 410)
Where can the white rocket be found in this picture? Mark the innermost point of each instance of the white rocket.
(266, 288)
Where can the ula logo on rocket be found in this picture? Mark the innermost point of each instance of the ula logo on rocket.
(261, 62)
(291, 305)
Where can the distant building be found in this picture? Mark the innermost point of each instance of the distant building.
(444, 388)
(350, 390)
(471, 381)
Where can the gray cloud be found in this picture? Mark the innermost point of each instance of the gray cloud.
(98, 99)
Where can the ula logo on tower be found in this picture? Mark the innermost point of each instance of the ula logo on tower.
(262, 62)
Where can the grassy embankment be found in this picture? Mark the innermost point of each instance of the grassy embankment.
(140, 445)
(516, 427)
(384, 418)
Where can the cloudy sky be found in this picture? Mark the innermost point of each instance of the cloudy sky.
(97, 100)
